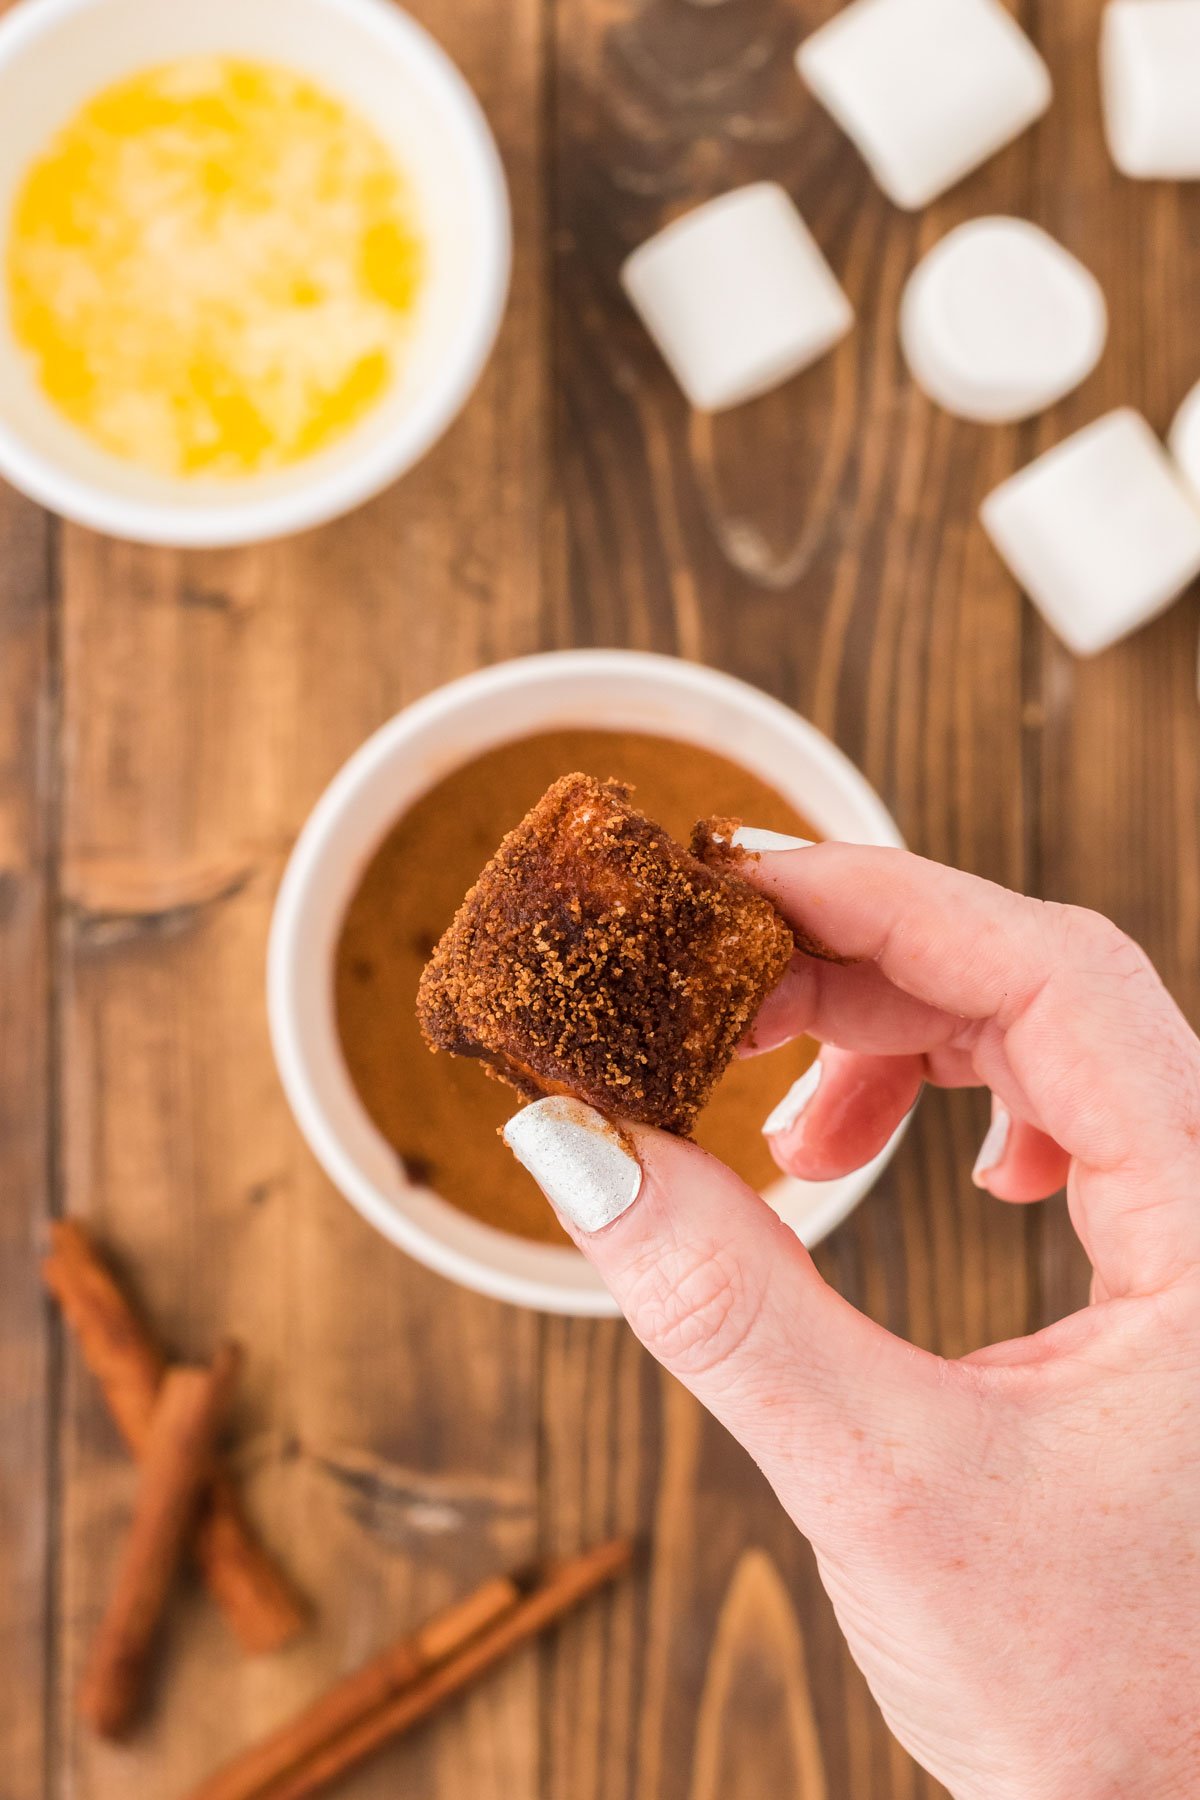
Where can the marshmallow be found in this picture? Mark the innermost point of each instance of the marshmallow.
(1150, 80)
(1099, 531)
(737, 296)
(928, 89)
(998, 321)
(1184, 440)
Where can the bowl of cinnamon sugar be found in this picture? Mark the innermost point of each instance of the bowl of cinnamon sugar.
(382, 864)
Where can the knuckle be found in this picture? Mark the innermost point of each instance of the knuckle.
(1178, 1054)
(693, 1308)
(1094, 941)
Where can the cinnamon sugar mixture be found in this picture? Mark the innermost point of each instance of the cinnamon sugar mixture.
(440, 1113)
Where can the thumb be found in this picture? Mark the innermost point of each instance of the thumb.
(725, 1296)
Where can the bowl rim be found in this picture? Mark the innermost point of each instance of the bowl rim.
(182, 525)
(305, 865)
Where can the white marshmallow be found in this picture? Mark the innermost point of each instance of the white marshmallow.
(998, 321)
(1150, 80)
(737, 296)
(1099, 531)
(1184, 440)
(928, 89)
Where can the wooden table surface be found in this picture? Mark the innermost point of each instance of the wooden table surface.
(167, 720)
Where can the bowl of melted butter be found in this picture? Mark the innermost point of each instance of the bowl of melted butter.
(253, 257)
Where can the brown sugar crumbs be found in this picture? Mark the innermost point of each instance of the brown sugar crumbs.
(597, 957)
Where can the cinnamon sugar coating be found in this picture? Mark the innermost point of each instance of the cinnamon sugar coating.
(595, 956)
(712, 843)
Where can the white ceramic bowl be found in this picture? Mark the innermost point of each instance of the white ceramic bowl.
(55, 54)
(608, 689)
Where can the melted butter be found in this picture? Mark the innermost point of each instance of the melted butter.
(213, 267)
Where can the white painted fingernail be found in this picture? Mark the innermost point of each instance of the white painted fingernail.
(794, 1101)
(582, 1164)
(748, 837)
(991, 1151)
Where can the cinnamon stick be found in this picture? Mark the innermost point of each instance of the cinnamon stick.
(560, 1587)
(176, 1465)
(262, 1608)
(360, 1693)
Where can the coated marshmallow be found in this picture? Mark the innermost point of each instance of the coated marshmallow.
(1099, 531)
(998, 321)
(1150, 80)
(928, 89)
(737, 296)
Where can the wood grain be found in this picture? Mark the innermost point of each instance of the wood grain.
(27, 1101)
(400, 1439)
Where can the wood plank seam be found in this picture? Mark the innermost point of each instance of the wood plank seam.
(52, 761)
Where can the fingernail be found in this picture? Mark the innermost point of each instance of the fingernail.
(582, 1164)
(749, 837)
(991, 1151)
(794, 1101)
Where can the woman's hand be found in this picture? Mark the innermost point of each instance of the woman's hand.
(1011, 1541)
